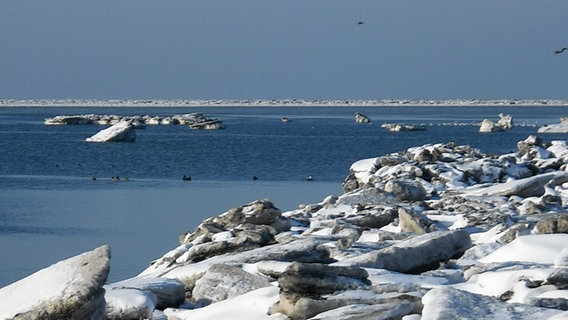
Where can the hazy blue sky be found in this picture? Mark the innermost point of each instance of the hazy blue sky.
(142, 49)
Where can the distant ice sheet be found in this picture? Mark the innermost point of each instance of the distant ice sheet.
(271, 102)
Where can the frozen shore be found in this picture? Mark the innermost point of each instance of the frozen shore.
(273, 102)
(438, 231)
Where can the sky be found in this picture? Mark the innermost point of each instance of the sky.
(293, 49)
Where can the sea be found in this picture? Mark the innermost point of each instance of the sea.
(58, 198)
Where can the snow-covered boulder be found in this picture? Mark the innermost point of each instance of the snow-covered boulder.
(168, 292)
(417, 254)
(69, 289)
(222, 282)
(129, 304)
(251, 305)
(120, 132)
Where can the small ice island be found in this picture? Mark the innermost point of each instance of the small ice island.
(195, 120)
(561, 127)
(439, 231)
(122, 128)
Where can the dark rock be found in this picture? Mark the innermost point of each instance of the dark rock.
(316, 278)
(255, 235)
(554, 223)
(372, 217)
(406, 190)
(559, 278)
(551, 303)
(351, 183)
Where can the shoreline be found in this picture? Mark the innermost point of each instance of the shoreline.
(279, 103)
(471, 219)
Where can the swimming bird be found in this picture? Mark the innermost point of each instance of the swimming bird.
(186, 178)
(115, 178)
(254, 178)
(360, 22)
(310, 178)
(560, 51)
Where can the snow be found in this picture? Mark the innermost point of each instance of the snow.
(527, 258)
(498, 282)
(543, 248)
(249, 306)
(554, 128)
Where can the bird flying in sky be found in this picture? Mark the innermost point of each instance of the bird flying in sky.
(560, 51)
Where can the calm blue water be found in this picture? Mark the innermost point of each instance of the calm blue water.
(321, 142)
(51, 209)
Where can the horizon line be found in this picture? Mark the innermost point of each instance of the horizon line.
(63, 102)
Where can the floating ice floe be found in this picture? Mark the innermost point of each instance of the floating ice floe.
(561, 127)
(120, 132)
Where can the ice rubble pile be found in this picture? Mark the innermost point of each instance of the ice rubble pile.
(195, 120)
(440, 231)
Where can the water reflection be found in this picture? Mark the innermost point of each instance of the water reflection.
(139, 220)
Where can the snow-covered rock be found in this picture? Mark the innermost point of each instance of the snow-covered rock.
(221, 282)
(129, 304)
(449, 303)
(417, 254)
(69, 289)
(168, 292)
(120, 132)
(252, 305)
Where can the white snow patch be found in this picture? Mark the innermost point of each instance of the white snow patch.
(531, 248)
(249, 306)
